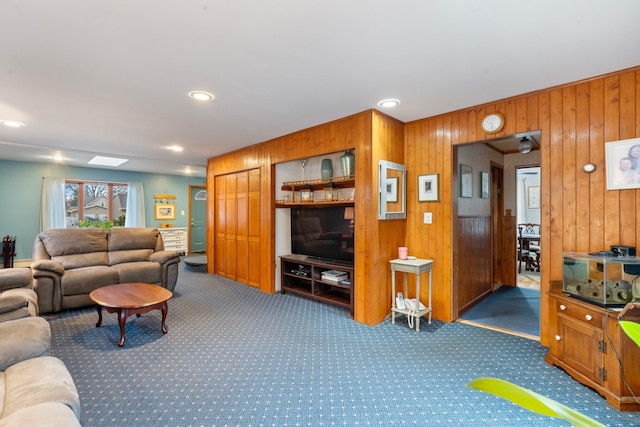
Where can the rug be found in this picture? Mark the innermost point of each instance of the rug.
(508, 309)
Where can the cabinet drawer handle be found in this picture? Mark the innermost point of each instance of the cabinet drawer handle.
(563, 307)
(558, 338)
(588, 317)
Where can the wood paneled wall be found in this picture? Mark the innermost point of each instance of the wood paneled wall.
(578, 213)
(374, 136)
(473, 264)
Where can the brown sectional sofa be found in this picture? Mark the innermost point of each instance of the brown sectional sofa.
(35, 388)
(70, 263)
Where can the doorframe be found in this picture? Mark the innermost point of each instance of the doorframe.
(496, 196)
(191, 187)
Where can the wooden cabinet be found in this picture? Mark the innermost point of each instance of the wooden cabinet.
(175, 239)
(588, 343)
(303, 275)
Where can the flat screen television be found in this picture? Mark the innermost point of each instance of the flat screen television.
(322, 233)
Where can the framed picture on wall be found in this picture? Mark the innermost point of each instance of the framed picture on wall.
(392, 190)
(428, 188)
(533, 197)
(466, 181)
(623, 164)
(484, 185)
(165, 211)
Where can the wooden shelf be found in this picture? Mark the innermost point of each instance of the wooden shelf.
(320, 184)
(312, 286)
(339, 183)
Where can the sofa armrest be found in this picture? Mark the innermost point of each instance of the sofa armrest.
(23, 339)
(47, 276)
(164, 256)
(46, 265)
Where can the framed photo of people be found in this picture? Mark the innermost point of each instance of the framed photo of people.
(623, 164)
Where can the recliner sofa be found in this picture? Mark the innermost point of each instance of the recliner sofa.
(70, 263)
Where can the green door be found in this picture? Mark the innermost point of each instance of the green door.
(198, 219)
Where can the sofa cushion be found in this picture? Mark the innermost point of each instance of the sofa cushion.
(120, 239)
(23, 339)
(50, 414)
(84, 280)
(70, 241)
(145, 272)
(132, 255)
(89, 259)
(40, 380)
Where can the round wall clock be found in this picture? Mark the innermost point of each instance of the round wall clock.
(493, 123)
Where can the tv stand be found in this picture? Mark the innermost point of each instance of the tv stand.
(312, 285)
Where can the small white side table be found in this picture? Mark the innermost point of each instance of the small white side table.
(417, 267)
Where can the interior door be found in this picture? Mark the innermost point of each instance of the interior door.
(198, 213)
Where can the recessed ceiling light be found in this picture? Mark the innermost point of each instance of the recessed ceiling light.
(200, 95)
(12, 123)
(388, 103)
(176, 148)
(187, 170)
(107, 161)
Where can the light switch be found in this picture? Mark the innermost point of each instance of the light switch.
(428, 218)
(182, 213)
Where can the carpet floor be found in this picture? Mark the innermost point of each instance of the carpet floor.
(235, 356)
(509, 309)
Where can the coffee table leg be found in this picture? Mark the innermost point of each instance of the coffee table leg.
(165, 310)
(122, 318)
(99, 308)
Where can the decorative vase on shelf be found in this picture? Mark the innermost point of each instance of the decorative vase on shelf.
(326, 169)
(348, 163)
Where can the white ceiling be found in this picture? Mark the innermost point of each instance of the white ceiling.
(111, 77)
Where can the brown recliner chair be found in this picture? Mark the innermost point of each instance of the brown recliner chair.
(17, 297)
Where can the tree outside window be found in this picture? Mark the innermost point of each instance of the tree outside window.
(95, 204)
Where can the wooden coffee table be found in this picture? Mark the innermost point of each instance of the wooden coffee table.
(127, 299)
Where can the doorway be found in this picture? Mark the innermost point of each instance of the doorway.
(528, 222)
(198, 219)
(496, 297)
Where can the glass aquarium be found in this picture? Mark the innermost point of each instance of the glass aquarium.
(601, 278)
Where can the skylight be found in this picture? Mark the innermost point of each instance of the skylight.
(107, 161)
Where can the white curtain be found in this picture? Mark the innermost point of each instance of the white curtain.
(135, 205)
(52, 204)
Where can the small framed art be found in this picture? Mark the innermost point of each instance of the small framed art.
(466, 181)
(533, 197)
(165, 211)
(484, 185)
(392, 190)
(428, 188)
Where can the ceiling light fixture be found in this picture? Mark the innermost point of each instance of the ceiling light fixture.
(389, 103)
(200, 95)
(525, 145)
(12, 123)
(176, 148)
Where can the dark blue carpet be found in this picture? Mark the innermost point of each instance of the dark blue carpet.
(515, 309)
(235, 356)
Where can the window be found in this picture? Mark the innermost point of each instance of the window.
(92, 203)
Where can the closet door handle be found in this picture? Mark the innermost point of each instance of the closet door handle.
(558, 337)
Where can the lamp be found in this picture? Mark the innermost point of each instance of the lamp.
(525, 145)
(350, 213)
